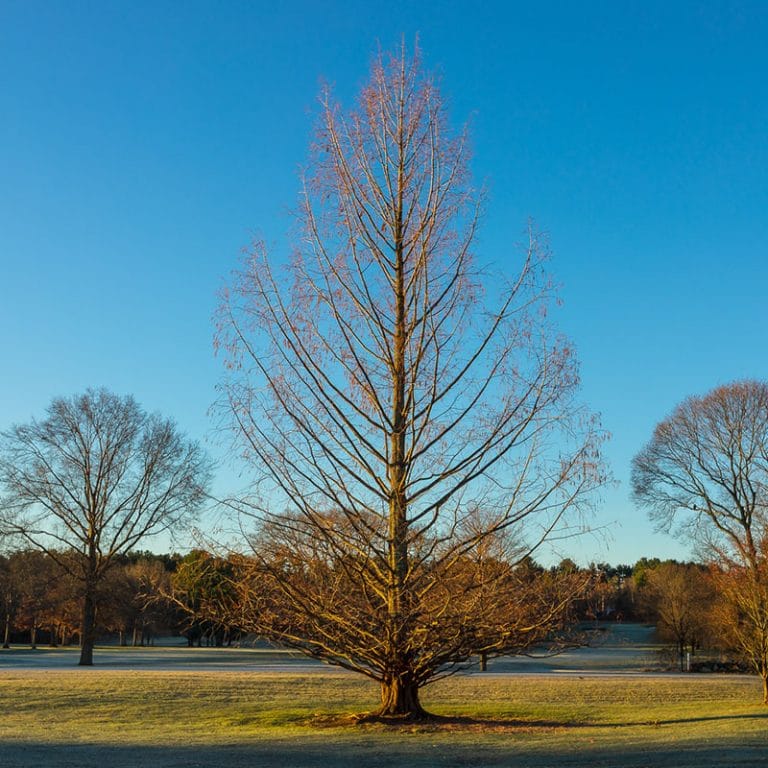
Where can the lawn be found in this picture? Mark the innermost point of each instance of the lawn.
(91, 717)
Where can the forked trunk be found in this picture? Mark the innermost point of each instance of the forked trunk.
(400, 699)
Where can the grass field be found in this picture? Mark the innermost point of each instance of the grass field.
(88, 717)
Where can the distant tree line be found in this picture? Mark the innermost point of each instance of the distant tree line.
(212, 601)
(143, 597)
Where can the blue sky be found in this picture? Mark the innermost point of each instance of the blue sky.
(144, 144)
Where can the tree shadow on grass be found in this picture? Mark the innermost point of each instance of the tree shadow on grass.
(419, 751)
(447, 723)
(432, 722)
(683, 720)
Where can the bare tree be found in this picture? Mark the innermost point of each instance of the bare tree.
(407, 406)
(741, 615)
(679, 597)
(91, 480)
(707, 463)
(38, 579)
(129, 607)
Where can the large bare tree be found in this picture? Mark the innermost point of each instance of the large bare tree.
(707, 466)
(91, 480)
(405, 405)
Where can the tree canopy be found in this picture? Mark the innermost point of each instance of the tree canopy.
(707, 463)
(411, 416)
(91, 480)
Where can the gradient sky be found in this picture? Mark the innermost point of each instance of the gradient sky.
(144, 144)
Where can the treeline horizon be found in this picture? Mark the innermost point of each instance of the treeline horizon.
(147, 595)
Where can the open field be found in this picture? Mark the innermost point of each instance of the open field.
(92, 717)
(616, 648)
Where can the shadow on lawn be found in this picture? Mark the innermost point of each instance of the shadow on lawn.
(463, 724)
(707, 719)
(430, 723)
(418, 751)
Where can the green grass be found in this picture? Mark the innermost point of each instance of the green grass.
(90, 717)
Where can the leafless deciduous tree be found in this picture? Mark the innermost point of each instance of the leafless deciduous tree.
(91, 480)
(679, 597)
(407, 406)
(741, 616)
(707, 463)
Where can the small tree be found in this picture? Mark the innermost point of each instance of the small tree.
(91, 480)
(36, 577)
(740, 617)
(129, 592)
(203, 589)
(708, 463)
(405, 407)
(679, 598)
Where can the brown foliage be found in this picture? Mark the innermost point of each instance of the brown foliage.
(680, 597)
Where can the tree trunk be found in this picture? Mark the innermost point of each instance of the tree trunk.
(400, 698)
(88, 629)
(33, 637)
(483, 661)
(7, 633)
(399, 694)
(765, 687)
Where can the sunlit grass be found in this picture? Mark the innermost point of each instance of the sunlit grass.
(532, 717)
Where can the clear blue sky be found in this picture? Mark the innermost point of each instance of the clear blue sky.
(143, 144)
